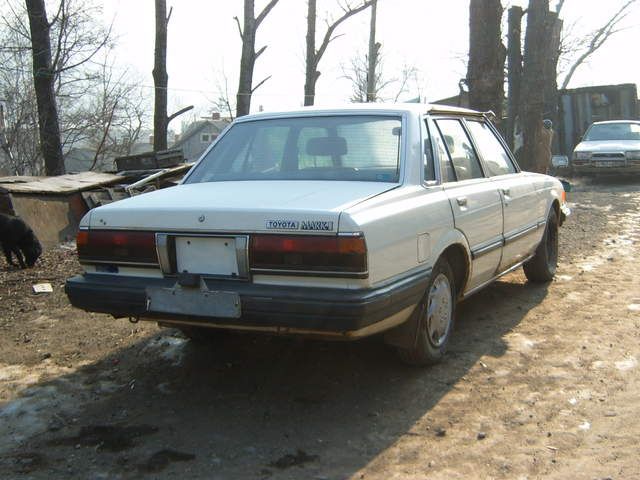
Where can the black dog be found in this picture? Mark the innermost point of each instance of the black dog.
(16, 237)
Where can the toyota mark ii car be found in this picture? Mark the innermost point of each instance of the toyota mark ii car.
(336, 223)
(609, 147)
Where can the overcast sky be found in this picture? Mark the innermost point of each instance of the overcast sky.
(431, 36)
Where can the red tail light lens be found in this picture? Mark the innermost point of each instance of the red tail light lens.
(305, 253)
(117, 246)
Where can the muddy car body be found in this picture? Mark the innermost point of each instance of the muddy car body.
(339, 223)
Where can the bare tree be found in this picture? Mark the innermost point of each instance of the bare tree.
(554, 36)
(372, 57)
(160, 77)
(589, 44)
(314, 56)
(533, 86)
(43, 79)
(409, 75)
(485, 73)
(223, 102)
(86, 87)
(249, 54)
(514, 75)
(383, 89)
(21, 112)
(365, 87)
(116, 115)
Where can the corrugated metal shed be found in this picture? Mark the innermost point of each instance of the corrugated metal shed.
(580, 107)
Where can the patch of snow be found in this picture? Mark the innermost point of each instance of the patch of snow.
(564, 278)
(584, 426)
(627, 364)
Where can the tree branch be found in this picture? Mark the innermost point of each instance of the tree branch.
(178, 113)
(598, 38)
(57, 15)
(265, 11)
(105, 134)
(260, 84)
(348, 12)
(259, 52)
(99, 47)
(239, 27)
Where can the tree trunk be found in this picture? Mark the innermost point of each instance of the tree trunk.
(373, 56)
(43, 79)
(160, 78)
(533, 86)
(311, 75)
(554, 27)
(485, 76)
(249, 55)
(247, 60)
(514, 53)
(313, 55)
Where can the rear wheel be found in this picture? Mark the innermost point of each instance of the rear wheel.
(542, 267)
(437, 313)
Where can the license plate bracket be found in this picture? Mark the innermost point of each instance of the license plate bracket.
(608, 164)
(199, 302)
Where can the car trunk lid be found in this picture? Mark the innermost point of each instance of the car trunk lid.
(240, 207)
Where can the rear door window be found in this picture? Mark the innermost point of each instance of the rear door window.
(493, 153)
(462, 155)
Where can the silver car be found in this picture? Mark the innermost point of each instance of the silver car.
(609, 147)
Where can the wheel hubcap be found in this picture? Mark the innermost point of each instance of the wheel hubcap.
(439, 310)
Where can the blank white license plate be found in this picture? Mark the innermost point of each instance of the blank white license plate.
(207, 255)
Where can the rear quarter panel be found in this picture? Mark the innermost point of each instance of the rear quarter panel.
(405, 230)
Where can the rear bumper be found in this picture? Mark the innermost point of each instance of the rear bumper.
(263, 307)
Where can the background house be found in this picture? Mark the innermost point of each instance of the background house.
(198, 136)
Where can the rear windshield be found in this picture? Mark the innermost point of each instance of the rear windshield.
(347, 147)
(613, 131)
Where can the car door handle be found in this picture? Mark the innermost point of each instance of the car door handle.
(506, 192)
(462, 201)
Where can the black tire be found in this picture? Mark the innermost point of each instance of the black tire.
(542, 267)
(433, 334)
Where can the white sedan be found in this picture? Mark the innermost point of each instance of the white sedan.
(609, 147)
(336, 223)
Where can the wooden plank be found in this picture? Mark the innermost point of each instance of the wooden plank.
(62, 184)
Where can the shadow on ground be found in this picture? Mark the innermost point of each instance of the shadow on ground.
(256, 407)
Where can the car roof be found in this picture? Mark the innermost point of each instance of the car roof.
(606, 122)
(367, 108)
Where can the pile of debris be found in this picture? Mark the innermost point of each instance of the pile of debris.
(53, 206)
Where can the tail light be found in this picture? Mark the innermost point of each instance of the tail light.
(313, 254)
(114, 246)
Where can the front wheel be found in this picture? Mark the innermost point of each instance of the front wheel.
(542, 266)
(436, 316)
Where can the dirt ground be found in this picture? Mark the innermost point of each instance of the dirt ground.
(540, 382)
